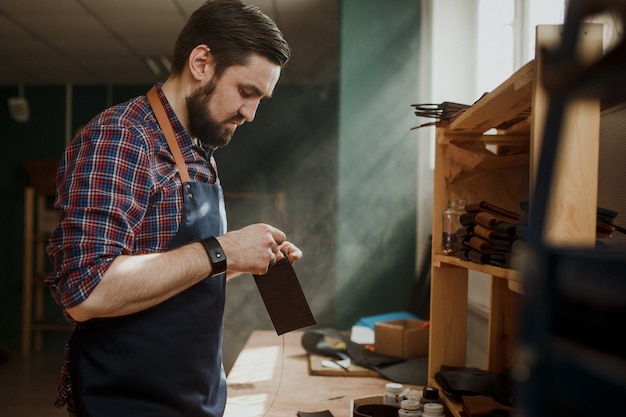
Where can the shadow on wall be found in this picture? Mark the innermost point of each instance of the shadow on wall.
(285, 163)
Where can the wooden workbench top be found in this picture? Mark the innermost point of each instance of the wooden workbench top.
(271, 378)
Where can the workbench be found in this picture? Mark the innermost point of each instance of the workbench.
(271, 378)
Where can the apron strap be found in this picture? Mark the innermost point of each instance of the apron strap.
(166, 127)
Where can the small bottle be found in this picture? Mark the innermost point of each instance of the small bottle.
(430, 395)
(433, 410)
(393, 394)
(409, 408)
(450, 224)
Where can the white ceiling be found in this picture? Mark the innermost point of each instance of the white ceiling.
(111, 41)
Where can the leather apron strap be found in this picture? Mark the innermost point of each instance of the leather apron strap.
(166, 127)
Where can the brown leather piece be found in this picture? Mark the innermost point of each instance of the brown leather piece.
(284, 299)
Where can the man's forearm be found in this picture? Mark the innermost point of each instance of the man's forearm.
(136, 282)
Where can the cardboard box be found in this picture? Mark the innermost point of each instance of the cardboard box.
(403, 338)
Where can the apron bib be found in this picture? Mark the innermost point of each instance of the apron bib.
(164, 361)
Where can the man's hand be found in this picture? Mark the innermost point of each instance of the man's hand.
(253, 249)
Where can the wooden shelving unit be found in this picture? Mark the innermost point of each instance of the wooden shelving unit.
(511, 117)
(39, 221)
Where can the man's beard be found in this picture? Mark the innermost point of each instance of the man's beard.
(201, 123)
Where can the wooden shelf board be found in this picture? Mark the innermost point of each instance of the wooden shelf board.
(520, 128)
(506, 273)
(489, 139)
(507, 102)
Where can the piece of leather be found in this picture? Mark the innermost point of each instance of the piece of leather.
(457, 381)
(412, 371)
(315, 341)
(284, 299)
(484, 232)
(461, 244)
(501, 259)
(476, 256)
(467, 219)
(493, 209)
(502, 245)
(480, 244)
(404, 371)
(507, 230)
(482, 406)
(463, 254)
(465, 231)
(489, 220)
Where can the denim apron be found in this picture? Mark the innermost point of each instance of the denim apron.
(164, 361)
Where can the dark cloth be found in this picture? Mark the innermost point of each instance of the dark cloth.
(457, 381)
(405, 371)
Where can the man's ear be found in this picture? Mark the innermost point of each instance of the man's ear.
(201, 62)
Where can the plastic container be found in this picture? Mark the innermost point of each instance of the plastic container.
(429, 395)
(450, 219)
(409, 408)
(393, 394)
(433, 410)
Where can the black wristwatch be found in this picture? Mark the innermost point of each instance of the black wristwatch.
(216, 255)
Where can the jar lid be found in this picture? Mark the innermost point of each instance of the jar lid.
(410, 405)
(393, 387)
(433, 408)
(458, 202)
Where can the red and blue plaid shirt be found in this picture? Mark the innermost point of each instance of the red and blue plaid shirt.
(118, 193)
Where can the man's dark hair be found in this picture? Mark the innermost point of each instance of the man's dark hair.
(232, 30)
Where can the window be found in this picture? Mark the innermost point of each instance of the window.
(506, 36)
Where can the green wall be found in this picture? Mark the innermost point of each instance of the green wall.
(376, 218)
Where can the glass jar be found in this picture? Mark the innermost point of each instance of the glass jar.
(451, 222)
(393, 394)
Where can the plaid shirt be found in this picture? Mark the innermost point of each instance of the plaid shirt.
(118, 193)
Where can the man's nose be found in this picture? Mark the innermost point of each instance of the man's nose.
(248, 110)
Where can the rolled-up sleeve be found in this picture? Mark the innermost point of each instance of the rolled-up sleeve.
(103, 189)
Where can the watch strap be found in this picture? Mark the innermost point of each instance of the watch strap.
(216, 255)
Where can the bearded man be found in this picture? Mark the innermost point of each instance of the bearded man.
(141, 252)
